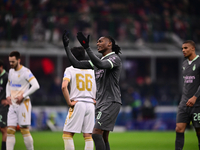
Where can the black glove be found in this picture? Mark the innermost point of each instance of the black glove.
(83, 40)
(65, 38)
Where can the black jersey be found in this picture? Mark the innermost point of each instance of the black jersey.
(3, 82)
(191, 79)
(107, 81)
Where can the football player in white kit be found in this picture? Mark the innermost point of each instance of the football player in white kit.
(81, 100)
(21, 84)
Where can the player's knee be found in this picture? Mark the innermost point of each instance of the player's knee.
(179, 129)
(24, 131)
(97, 137)
(11, 131)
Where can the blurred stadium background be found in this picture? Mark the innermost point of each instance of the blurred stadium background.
(150, 33)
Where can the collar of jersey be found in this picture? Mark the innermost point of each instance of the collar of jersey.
(190, 62)
(19, 68)
(107, 55)
(2, 72)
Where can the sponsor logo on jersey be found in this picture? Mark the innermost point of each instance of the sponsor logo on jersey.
(189, 79)
(99, 73)
(15, 85)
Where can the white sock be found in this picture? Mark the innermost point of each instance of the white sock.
(28, 141)
(89, 145)
(68, 142)
(10, 140)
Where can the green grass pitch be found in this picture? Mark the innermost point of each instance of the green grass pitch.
(133, 140)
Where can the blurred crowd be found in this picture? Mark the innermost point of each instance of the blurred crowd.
(127, 20)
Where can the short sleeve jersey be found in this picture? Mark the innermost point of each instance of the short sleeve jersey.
(82, 84)
(107, 81)
(191, 80)
(19, 82)
(3, 82)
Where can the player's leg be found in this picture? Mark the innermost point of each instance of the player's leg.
(4, 136)
(28, 140)
(88, 141)
(73, 124)
(24, 116)
(88, 124)
(68, 140)
(3, 128)
(11, 129)
(10, 140)
(180, 129)
(105, 138)
(198, 136)
(182, 119)
(97, 135)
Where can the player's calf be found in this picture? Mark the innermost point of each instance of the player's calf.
(28, 140)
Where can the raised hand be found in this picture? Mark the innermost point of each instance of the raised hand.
(65, 38)
(83, 40)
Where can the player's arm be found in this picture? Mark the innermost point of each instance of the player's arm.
(104, 64)
(66, 93)
(193, 99)
(75, 63)
(34, 86)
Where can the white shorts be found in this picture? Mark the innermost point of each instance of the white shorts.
(81, 118)
(20, 114)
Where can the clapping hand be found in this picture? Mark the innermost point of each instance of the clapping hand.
(65, 38)
(83, 40)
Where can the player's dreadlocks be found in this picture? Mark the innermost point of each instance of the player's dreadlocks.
(115, 47)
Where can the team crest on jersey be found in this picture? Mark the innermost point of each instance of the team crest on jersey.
(194, 67)
(18, 75)
(183, 68)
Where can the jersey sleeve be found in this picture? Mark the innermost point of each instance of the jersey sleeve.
(101, 64)
(114, 61)
(67, 75)
(28, 75)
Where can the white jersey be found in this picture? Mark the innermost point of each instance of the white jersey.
(19, 82)
(82, 84)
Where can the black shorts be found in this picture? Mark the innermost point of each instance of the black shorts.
(186, 114)
(106, 116)
(3, 118)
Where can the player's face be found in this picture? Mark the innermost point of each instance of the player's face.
(187, 49)
(103, 44)
(14, 62)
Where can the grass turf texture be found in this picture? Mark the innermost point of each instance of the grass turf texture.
(134, 140)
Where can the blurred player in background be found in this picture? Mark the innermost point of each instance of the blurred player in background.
(3, 105)
(21, 84)
(107, 74)
(189, 106)
(81, 101)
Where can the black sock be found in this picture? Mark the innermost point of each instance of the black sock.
(107, 145)
(99, 142)
(3, 145)
(198, 136)
(179, 141)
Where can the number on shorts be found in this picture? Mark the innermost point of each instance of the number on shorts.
(84, 81)
(99, 115)
(196, 116)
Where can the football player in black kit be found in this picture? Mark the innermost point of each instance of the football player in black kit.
(3, 105)
(189, 106)
(107, 73)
